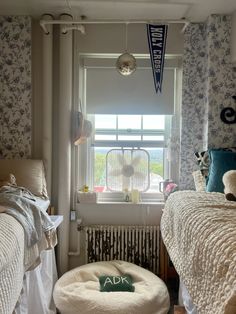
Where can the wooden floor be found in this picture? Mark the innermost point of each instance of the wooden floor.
(179, 310)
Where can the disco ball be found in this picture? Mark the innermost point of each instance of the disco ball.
(126, 64)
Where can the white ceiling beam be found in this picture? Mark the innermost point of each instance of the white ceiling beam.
(79, 25)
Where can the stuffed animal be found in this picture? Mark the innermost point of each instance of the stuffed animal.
(229, 180)
(9, 180)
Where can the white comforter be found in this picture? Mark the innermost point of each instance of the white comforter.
(11, 262)
(17, 252)
(199, 231)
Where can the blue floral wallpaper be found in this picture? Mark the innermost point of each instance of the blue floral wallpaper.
(15, 86)
(221, 81)
(209, 81)
(194, 109)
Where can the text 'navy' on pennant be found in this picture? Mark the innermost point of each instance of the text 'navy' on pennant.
(157, 35)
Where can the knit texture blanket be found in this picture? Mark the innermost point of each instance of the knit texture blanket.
(199, 231)
(25, 230)
(11, 262)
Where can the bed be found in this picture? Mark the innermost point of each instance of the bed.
(199, 232)
(26, 231)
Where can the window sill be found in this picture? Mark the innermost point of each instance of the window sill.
(130, 203)
(119, 198)
(120, 213)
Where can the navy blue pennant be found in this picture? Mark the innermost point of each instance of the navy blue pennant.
(157, 35)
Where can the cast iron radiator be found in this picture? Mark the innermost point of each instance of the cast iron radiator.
(135, 244)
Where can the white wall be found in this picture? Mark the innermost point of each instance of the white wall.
(110, 38)
(97, 40)
(103, 39)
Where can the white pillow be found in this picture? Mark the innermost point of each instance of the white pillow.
(29, 173)
(199, 181)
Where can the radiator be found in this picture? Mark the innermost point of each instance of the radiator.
(135, 244)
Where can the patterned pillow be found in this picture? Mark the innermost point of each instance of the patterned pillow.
(203, 159)
(116, 283)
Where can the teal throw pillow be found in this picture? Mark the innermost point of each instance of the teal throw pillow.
(221, 162)
(116, 283)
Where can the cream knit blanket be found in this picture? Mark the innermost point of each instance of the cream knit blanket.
(25, 231)
(11, 262)
(199, 231)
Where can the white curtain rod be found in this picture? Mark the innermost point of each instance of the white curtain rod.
(79, 25)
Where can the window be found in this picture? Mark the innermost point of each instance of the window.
(128, 114)
(146, 132)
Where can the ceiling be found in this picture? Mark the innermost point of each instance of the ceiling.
(193, 10)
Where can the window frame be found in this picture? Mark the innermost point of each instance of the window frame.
(88, 153)
(81, 164)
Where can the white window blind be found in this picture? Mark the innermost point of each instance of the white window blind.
(108, 92)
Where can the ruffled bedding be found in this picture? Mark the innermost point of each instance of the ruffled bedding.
(199, 231)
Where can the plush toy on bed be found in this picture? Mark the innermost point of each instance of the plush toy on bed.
(9, 180)
(229, 180)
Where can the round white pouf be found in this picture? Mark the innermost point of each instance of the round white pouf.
(78, 291)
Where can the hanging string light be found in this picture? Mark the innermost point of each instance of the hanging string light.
(126, 63)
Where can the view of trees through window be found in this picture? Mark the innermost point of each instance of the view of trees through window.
(156, 168)
(144, 131)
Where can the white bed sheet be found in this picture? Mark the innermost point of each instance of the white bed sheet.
(185, 299)
(36, 296)
(38, 284)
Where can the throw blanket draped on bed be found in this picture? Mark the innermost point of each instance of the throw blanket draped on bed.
(21, 204)
(199, 231)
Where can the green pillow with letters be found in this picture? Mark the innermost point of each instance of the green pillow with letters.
(116, 283)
